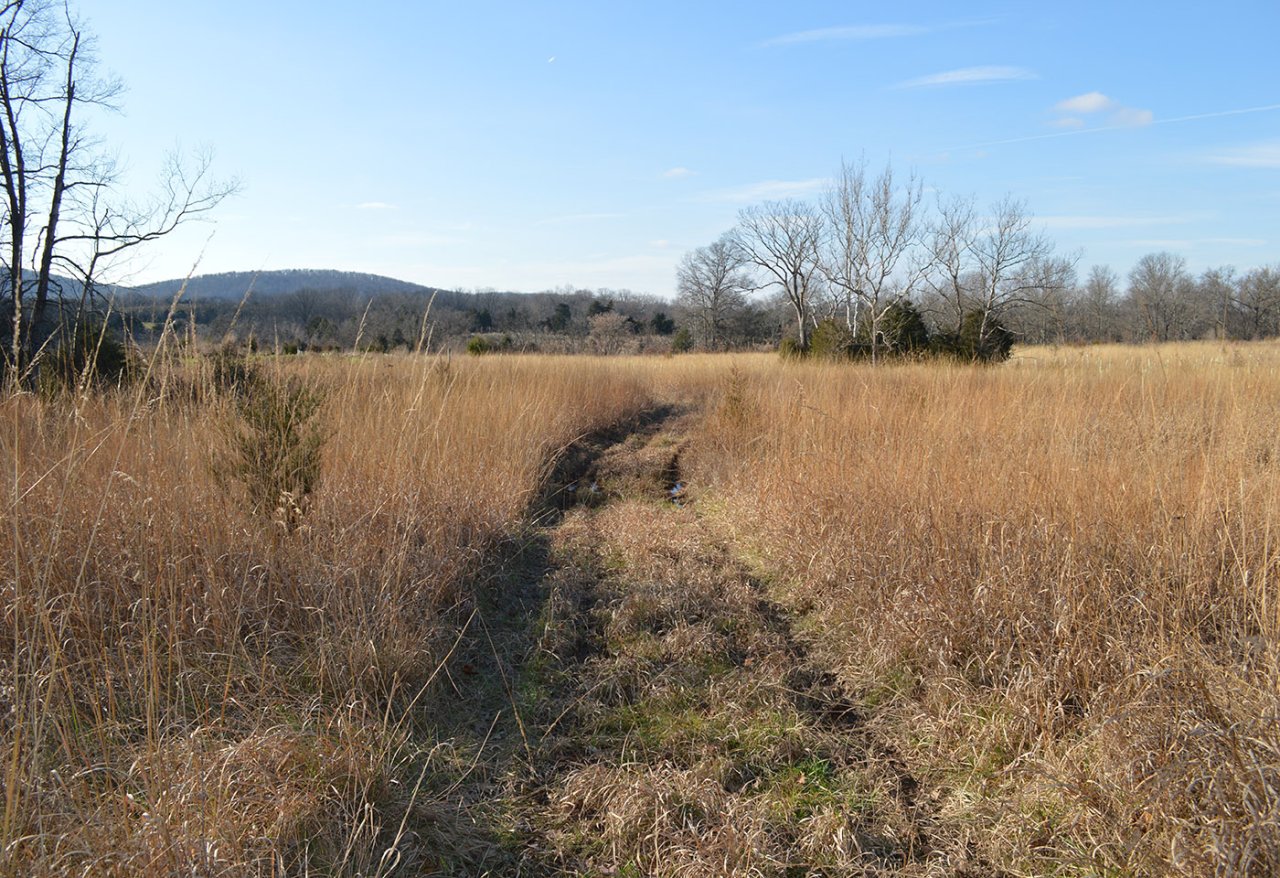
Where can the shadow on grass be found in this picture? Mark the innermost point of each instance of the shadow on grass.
(487, 716)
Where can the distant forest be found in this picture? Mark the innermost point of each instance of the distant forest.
(299, 310)
(1159, 300)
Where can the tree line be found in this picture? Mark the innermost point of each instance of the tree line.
(351, 314)
(876, 267)
(872, 268)
(1159, 300)
(719, 308)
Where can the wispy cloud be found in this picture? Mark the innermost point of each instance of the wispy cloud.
(764, 191)
(1132, 117)
(1095, 102)
(375, 205)
(1092, 102)
(1256, 155)
(970, 76)
(677, 173)
(1217, 114)
(864, 32)
(853, 33)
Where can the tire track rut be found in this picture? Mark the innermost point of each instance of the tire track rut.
(650, 711)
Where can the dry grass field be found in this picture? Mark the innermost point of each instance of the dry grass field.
(192, 688)
(1042, 596)
(1052, 585)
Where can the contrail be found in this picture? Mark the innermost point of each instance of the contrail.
(1241, 112)
(1267, 108)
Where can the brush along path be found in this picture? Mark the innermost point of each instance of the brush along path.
(664, 720)
(689, 733)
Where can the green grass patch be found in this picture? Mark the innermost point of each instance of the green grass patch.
(687, 726)
(811, 786)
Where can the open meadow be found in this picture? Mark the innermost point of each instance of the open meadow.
(684, 440)
(694, 615)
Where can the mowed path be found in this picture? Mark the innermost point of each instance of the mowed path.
(630, 701)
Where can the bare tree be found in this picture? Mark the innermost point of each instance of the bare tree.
(1215, 291)
(610, 332)
(1014, 264)
(711, 286)
(61, 211)
(1098, 302)
(1257, 301)
(990, 264)
(1163, 295)
(782, 239)
(873, 231)
(1043, 316)
(948, 239)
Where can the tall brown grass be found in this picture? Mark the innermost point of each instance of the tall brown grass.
(1054, 584)
(193, 688)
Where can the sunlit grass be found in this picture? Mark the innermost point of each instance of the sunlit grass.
(195, 688)
(1052, 584)
(1056, 580)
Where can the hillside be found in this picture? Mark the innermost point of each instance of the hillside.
(233, 284)
(314, 308)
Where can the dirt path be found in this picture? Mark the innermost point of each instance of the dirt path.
(629, 701)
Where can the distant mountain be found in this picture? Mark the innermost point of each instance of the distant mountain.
(233, 284)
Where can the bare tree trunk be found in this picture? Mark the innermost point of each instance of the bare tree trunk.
(15, 185)
(44, 77)
(37, 334)
(782, 239)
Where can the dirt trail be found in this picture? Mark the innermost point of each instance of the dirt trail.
(629, 701)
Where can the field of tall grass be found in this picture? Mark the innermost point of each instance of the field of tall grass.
(1050, 586)
(198, 682)
(1053, 585)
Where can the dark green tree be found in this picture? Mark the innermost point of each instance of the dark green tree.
(561, 319)
(980, 338)
(831, 340)
(661, 324)
(91, 354)
(902, 329)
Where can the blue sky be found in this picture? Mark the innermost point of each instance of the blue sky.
(524, 145)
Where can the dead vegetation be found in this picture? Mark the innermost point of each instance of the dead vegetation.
(194, 688)
(909, 620)
(1052, 586)
(687, 733)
